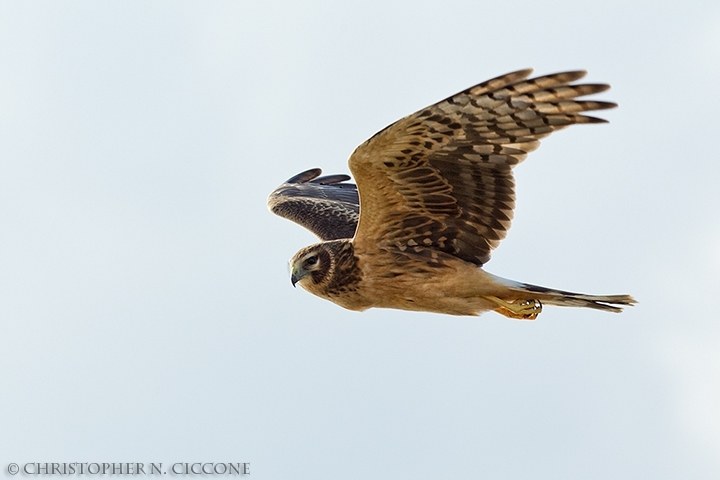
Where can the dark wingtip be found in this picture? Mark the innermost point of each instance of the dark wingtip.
(331, 179)
(305, 176)
(589, 119)
(599, 105)
(525, 72)
(593, 88)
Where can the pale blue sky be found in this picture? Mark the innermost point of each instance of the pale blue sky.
(145, 305)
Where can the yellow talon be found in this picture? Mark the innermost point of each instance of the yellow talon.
(520, 309)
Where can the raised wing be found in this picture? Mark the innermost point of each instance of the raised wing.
(441, 178)
(327, 206)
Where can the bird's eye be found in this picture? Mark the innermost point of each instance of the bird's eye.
(311, 261)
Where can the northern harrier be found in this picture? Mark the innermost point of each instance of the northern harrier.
(436, 195)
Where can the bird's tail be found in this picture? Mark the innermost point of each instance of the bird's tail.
(609, 303)
(549, 296)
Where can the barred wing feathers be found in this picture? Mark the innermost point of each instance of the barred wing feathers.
(442, 179)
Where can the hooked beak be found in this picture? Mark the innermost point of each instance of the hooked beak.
(296, 273)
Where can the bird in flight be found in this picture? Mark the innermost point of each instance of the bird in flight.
(435, 194)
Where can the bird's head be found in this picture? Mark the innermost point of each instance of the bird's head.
(311, 266)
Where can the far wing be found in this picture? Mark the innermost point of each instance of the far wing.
(327, 206)
(440, 180)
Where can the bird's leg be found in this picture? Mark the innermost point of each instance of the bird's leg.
(519, 309)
